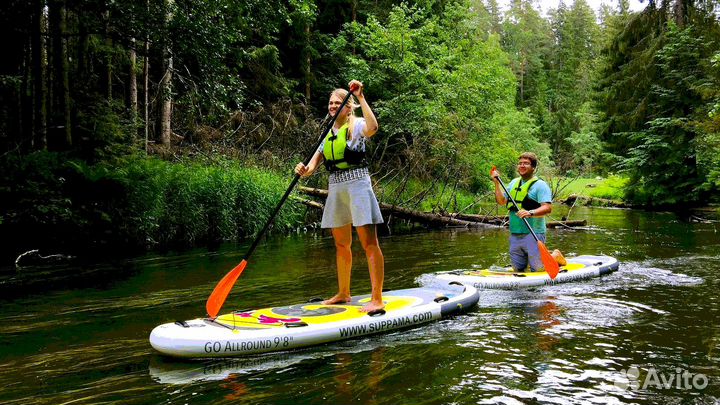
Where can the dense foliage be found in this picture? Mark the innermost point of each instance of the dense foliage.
(458, 86)
(445, 93)
(167, 71)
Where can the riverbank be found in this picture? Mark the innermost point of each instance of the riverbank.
(54, 203)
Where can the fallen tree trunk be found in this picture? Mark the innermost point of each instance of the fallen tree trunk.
(427, 218)
(594, 202)
(567, 224)
(316, 192)
(503, 220)
(433, 219)
(491, 219)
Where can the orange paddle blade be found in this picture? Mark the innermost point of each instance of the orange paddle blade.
(222, 289)
(551, 266)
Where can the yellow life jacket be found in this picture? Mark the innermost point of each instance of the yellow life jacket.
(519, 193)
(337, 154)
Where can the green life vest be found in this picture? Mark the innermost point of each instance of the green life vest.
(337, 155)
(520, 194)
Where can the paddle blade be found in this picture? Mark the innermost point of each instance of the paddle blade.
(222, 289)
(551, 266)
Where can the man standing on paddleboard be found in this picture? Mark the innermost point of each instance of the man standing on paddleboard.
(534, 199)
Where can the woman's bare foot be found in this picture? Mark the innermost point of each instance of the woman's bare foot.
(337, 299)
(372, 306)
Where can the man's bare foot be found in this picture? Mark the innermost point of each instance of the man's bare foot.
(372, 306)
(559, 258)
(337, 299)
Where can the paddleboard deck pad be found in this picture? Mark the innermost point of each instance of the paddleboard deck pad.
(284, 328)
(577, 268)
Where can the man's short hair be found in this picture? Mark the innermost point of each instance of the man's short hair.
(531, 157)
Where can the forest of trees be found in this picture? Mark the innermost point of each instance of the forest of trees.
(461, 81)
(458, 85)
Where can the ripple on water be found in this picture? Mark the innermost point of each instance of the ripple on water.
(563, 344)
(111, 368)
(74, 313)
(631, 275)
(593, 315)
(555, 381)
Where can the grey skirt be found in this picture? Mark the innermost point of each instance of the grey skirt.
(351, 200)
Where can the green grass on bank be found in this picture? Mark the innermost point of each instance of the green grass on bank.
(611, 188)
(428, 196)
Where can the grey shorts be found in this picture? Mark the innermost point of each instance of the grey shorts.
(351, 200)
(524, 249)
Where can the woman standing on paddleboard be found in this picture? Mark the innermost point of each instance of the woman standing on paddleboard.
(351, 200)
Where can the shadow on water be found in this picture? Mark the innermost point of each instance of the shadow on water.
(39, 279)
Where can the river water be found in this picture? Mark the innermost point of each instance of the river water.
(646, 334)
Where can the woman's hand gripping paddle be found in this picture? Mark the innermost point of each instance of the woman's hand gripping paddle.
(551, 266)
(222, 289)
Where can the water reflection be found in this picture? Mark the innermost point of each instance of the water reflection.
(549, 316)
(235, 385)
(564, 344)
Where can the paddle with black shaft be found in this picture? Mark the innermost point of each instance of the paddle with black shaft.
(551, 266)
(222, 289)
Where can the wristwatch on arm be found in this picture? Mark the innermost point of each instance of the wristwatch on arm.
(532, 213)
